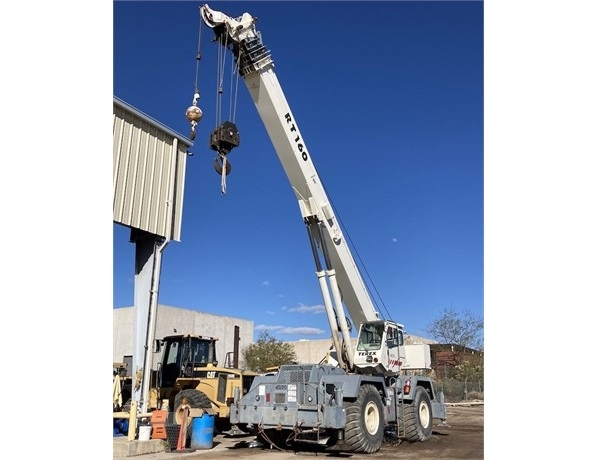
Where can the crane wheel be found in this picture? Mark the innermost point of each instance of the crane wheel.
(364, 422)
(417, 418)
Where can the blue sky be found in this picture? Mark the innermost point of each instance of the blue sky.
(389, 98)
(540, 183)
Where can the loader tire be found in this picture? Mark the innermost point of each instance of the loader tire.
(364, 422)
(195, 399)
(417, 418)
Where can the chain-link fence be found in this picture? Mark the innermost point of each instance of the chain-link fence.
(455, 391)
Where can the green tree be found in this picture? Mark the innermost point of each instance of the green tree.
(268, 352)
(470, 371)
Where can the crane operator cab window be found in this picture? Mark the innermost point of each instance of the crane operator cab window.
(370, 336)
(394, 337)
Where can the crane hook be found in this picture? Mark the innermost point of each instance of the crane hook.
(221, 162)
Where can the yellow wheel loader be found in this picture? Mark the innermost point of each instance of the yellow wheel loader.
(188, 373)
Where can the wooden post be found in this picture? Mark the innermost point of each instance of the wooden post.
(132, 421)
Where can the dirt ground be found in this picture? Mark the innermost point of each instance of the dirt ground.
(461, 439)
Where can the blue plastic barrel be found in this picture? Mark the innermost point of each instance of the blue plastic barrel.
(120, 427)
(203, 430)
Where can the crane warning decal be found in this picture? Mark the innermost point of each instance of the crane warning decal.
(291, 393)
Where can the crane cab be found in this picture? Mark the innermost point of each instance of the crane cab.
(380, 348)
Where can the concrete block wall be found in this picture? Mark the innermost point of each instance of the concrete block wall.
(185, 322)
(222, 327)
(313, 351)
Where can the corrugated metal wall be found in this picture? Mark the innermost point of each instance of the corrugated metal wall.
(148, 173)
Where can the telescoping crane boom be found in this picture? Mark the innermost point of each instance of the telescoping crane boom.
(345, 407)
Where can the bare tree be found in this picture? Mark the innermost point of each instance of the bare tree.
(458, 328)
(461, 333)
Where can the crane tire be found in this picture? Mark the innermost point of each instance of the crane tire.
(195, 399)
(364, 422)
(417, 418)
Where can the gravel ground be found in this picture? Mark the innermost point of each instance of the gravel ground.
(461, 438)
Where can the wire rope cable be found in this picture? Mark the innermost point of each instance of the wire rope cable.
(198, 58)
(371, 286)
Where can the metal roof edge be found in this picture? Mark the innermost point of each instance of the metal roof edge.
(152, 121)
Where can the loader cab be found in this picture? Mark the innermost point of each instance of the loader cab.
(181, 354)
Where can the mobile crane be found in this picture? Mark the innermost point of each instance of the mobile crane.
(346, 407)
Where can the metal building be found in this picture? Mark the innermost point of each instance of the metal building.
(149, 162)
